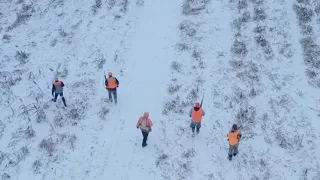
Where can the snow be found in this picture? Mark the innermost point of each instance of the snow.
(250, 60)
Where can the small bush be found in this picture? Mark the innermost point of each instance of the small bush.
(36, 165)
(304, 14)
(239, 48)
(6, 38)
(243, 4)
(22, 57)
(96, 6)
(100, 62)
(183, 47)
(175, 66)
(58, 120)
(29, 132)
(259, 14)
(48, 145)
(311, 74)
(41, 116)
(69, 139)
(21, 19)
(5, 176)
(103, 112)
(173, 88)
(161, 159)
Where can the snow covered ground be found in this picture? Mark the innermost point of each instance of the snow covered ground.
(255, 61)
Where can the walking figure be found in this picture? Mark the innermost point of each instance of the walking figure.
(145, 124)
(57, 89)
(234, 138)
(112, 84)
(196, 114)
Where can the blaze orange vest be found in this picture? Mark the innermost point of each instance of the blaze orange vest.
(233, 137)
(112, 83)
(197, 115)
(57, 83)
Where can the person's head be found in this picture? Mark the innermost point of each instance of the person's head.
(110, 74)
(197, 105)
(234, 127)
(146, 114)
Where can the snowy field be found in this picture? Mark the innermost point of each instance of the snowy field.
(257, 63)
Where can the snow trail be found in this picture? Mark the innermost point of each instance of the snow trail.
(142, 89)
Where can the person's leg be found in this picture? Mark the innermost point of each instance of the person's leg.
(55, 97)
(110, 95)
(63, 99)
(198, 127)
(193, 126)
(235, 151)
(145, 136)
(231, 148)
(115, 96)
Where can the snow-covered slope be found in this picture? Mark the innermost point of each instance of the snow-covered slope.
(255, 61)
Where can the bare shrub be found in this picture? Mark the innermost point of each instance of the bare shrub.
(96, 6)
(193, 95)
(317, 9)
(253, 93)
(48, 145)
(22, 57)
(304, 14)
(62, 33)
(69, 139)
(5, 176)
(239, 48)
(103, 112)
(188, 154)
(175, 66)
(242, 4)
(261, 40)
(22, 154)
(100, 62)
(54, 42)
(41, 116)
(2, 157)
(183, 47)
(174, 88)
(29, 132)
(194, 7)
(124, 5)
(311, 73)
(111, 4)
(2, 128)
(140, 2)
(21, 19)
(6, 38)
(306, 29)
(36, 165)
(58, 120)
(161, 159)
(188, 28)
(259, 14)
(174, 105)
(286, 50)
(311, 52)
(76, 114)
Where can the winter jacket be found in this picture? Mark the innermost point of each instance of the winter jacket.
(234, 137)
(196, 114)
(145, 124)
(57, 87)
(112, 83)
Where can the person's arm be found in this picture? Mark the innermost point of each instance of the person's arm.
(53, 89)
(117, 82)
(62, 85)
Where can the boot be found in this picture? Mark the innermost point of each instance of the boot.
(234, 154)
(198, 130)
(230, 157)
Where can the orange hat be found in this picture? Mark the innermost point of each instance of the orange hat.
(146, 114)
(109, 73)
(197, 104)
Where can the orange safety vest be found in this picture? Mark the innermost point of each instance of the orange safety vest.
(112, 83)
(233, 137)
(197, 115)
(57, 83)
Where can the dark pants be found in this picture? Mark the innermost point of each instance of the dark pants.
(61, 95)
(114, 93)
(193, 125)
(145, 138)
(233, 150)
